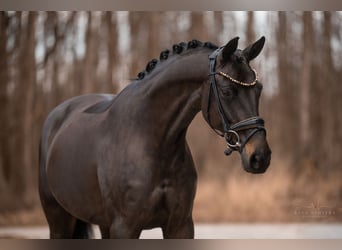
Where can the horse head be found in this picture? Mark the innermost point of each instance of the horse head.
(230, 103)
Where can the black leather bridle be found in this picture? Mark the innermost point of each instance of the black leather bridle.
(231, 132)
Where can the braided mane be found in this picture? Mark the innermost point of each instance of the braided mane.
(176, 49)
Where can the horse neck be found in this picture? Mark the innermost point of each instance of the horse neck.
(172, 96)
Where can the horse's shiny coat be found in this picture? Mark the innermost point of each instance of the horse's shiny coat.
(122, 162)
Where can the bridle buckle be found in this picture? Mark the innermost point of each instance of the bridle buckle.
(232, 139)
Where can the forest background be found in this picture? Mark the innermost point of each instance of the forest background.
(48, 57)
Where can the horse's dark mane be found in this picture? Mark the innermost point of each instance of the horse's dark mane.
(176, 50)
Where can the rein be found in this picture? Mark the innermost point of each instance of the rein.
(231, 132)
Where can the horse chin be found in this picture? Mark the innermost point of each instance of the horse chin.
(254, 163)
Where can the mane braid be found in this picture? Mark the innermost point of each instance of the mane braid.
(176, 50)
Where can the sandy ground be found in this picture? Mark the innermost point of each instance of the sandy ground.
(212, 231)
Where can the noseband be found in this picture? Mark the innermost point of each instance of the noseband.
(231, 132)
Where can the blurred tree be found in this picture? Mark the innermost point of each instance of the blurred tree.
(154, 30)
(198, 29)
(217, 30)
(20, 177)
(250, 28)
(145, 30)
(138, 42)
(113, 52)
(52, 43)
(286, 99)
(326, 100)
(305, 81)
(90, 57)
(5, 157)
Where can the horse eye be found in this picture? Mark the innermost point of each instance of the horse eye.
(229, 92)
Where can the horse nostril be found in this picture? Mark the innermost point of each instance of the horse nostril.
(260, 160)
(255, 160)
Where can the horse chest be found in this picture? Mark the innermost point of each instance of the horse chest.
(163, 200)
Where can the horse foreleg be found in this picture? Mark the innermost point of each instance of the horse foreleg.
(121, 229)
(104, 232)
(176, 230)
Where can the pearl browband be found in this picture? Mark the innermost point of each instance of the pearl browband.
(239, 82)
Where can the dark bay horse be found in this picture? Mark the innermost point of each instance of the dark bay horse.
(122, 162)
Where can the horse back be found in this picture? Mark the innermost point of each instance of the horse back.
(92, 103)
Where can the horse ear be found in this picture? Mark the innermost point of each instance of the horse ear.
(253, 50)
(229, 49)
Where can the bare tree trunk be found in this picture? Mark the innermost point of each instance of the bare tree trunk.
(305, 82)
(287, 98)
(89, 68)
(52, 23)
(21, 168)
(138, 39)
(199, 28)
(4, 149)
(218, 27)
(145, 39)
(11, 125)
(283, 96)
(29, 115)
(249, 28)
(112, 46)
(153, 25)
(330, 107)
(336, 90)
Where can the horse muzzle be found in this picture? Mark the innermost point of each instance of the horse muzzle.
(256, 155)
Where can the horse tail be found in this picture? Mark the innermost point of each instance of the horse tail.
(83, 230)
